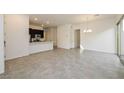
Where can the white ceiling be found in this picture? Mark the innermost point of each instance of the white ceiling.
(58, 19)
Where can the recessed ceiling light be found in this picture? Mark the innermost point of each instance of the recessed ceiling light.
(35, 19)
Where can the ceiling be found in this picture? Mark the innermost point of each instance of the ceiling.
(59, 19)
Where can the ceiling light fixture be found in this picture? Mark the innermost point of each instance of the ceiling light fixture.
(87, 28)
(35, 19)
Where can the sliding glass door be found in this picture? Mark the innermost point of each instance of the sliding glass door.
(120, 39)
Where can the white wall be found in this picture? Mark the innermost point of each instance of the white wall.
(101, 39)
(1, 44)
(64, 36)
(103, 36)
(17, 35)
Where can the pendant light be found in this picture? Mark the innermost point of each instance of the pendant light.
(87, 28)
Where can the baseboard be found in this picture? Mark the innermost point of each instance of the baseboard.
(101, 51)
(63, 47)
(11, 58)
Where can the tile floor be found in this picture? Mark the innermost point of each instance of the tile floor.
(65, 64)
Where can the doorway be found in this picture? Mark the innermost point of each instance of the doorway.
(77, 38)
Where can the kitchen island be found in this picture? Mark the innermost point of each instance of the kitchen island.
(36, 47)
